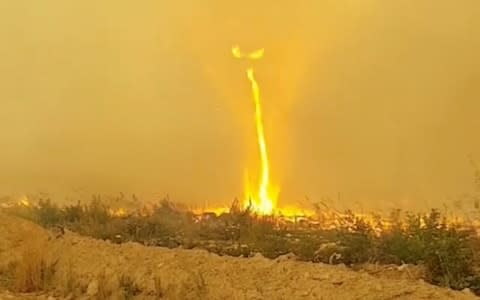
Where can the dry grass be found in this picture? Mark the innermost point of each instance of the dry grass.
(200, 285)
(128, 287)
(34, 271)
(70, 284)
(159, 289)
(446, 251)
(103, 292)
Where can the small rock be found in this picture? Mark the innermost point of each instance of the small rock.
(337, 282)
(334, 257)
(69, 297)
(288, 256)
(305, 294)
(92, 288)
(402, 267)
(321, 277)
(253, 294)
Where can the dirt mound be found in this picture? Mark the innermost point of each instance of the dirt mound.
(89, 269)
(15, 236)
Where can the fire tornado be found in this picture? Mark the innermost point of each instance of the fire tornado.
(263, 202)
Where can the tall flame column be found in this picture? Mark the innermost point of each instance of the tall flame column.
(261, 203)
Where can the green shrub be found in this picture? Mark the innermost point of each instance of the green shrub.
(445, 252)
(48, 213)
(356, 239)
(97, 212)
(73, 213)
(306, 249)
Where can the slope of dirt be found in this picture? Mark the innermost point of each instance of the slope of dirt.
(86, 268)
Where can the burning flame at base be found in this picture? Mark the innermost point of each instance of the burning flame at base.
(264, 202)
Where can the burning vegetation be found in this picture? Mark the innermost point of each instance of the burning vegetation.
(445, 249)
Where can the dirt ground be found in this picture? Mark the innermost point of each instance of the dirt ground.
(86, 268)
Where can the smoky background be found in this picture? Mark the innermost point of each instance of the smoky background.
(367, 103)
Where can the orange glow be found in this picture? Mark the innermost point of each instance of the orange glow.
(216, 210)
(265, 200)
(295, 212)
(119, 212)
(24, 202)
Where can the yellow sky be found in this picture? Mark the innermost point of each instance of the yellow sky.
(375, 100)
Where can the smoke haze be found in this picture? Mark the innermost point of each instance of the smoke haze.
(366, 102)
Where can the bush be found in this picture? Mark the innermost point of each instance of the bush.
(306, 249)
(448, 255)
(48, 213)
(356, 239)
(445, 252)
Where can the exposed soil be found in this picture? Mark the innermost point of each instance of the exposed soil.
(86, 268)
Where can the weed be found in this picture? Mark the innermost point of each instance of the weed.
(70, 283)
(73, 213)
(97, 212)
(128, 286)
(33, 272)
(103, 292)
(159, 290)
(200, 284)
(7, 274)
